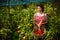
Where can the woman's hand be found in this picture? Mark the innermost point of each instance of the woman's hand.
(38, 26)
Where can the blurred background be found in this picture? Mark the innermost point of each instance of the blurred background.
(16, 19)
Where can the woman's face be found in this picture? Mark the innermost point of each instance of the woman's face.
(39, 8)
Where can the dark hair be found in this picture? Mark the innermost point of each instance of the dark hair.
(41, 7)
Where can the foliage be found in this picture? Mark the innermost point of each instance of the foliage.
(16, 22)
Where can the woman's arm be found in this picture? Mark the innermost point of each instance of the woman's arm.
(46, 19)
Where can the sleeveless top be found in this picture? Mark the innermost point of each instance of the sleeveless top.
(38, 18)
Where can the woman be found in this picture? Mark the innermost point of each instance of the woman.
(40, 19)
